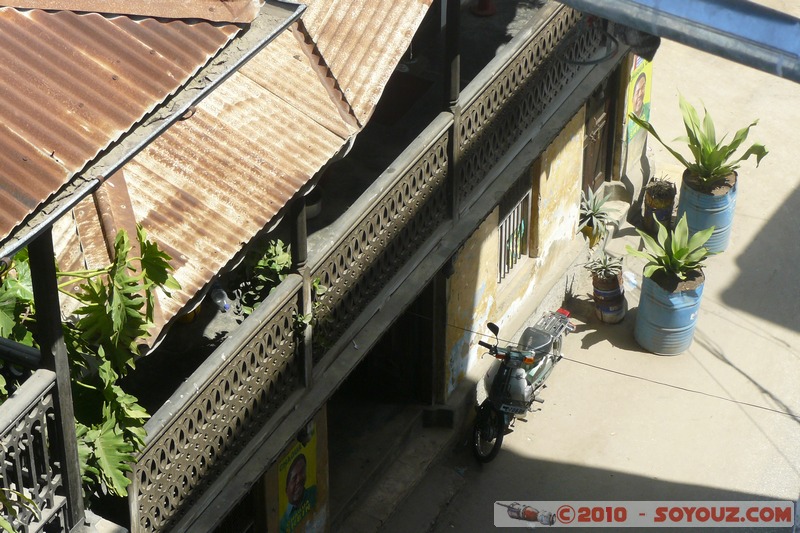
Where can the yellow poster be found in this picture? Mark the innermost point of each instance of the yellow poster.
(639, 88)
(297, 486)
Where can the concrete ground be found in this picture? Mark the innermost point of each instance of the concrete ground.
(718, 422)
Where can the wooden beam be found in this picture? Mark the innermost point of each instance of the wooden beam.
(54, 357)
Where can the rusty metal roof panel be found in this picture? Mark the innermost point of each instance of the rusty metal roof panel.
(218, 10)
(72, 84)
(291, 64)
(213, 181)
(362, 42)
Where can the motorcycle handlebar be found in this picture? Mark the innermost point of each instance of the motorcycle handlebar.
(485, 344)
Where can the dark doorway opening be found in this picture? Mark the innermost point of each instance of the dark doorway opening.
(596, 143)
(380, 405)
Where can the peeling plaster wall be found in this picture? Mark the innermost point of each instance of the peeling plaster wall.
(474, 295)
(560, 187)
(470, 299)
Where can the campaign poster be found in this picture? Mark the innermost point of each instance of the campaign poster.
(297, 487)
(639, 88)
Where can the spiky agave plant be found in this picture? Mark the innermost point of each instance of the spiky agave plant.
(673, 252)
(712, 160)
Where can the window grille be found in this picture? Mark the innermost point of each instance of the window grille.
(513, 236)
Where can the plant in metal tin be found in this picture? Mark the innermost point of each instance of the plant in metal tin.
(673, 252)
(711, 160)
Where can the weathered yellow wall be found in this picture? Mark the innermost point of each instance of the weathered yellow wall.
(474, 296)
(470, 298)
(560, 187)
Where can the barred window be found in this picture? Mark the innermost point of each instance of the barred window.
(513, 236)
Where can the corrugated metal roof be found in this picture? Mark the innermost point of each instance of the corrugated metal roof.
(72, 84)
(212, 182)
(216, 10)
(362, 42)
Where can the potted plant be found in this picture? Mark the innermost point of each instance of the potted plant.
(659, 202)
(672, 287)
(594, 217)
(708, 188)
(608, 292)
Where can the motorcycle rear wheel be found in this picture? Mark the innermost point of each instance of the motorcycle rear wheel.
(487, 434)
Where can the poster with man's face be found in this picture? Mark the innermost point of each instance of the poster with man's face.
(639, 93)
(297, 485)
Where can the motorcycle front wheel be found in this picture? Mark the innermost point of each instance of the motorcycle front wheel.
(487, 434)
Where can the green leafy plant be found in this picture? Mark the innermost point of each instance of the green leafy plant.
(603, 265)
(16, 310)
(673, 253)
(594, 215)
(711, 160)
(264, 269)
(116, 309)
(16, 299)
(301, 322)
(11, 502)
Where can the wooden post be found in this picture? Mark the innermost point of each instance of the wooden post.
(54, 357)
(299, 251)
(452, 86)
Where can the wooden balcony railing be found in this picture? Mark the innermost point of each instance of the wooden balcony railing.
(194, 435)
(28, 464)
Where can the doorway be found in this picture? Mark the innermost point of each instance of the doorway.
(596, 144)
(381, 404)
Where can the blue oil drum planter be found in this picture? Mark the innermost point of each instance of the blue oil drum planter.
(706, 209)
(666, 319)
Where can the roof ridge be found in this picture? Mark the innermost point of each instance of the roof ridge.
(326, 75)
(232, 11)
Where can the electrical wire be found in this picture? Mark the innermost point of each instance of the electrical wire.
(678, 387)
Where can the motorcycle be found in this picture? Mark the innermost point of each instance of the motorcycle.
(513, 386)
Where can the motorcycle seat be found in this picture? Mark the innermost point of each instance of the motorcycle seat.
(536, 340)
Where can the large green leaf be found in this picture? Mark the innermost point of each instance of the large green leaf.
(112, 454)
(85, 454)
(116, 302)
(8, 321)
(155, 263)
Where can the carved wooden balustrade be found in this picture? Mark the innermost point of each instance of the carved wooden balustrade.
(28, 463)
(192, 438)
